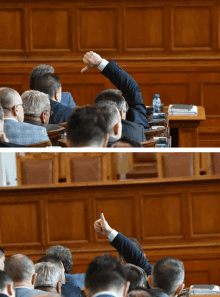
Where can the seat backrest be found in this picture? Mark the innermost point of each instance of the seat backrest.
(56, 134)
(40, 144)
(37, 168)
(149, 143)
(159, 132)
(62, 143)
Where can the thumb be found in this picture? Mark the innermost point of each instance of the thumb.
(102, 217)
(84, 69)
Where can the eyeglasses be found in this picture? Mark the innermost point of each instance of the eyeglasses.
(51, 112)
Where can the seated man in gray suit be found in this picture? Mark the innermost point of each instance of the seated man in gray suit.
(49, 277)
(21, 269)
(66, 99)
(37, 109)
(15, 130)
(6, 285)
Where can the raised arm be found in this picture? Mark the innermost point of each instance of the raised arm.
(124, 82)
(123, 245)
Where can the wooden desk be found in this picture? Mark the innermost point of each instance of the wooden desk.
(184, 129)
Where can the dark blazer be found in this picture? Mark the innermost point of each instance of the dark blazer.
(137, 112)
(70, 289)
(9, 144)
(67, 99)
(133, 130)
(130, 253)
(60, 114)
(3, 295)
(25, 292)
(79, 279)
(159, 293)
(49, 127)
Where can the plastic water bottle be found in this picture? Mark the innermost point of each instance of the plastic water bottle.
(156, 103)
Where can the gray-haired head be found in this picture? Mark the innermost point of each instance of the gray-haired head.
(38, 71)
(113, 95)
(136, 276)
(48, 275)
(168, 274)
(9, 98)
(35, 103)
(20, 268)
(1, 116)
(64, 254)
(111, 114)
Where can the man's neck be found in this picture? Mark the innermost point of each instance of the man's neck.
(9, 116)
(47, 289)
(34, 119)
(23, 284)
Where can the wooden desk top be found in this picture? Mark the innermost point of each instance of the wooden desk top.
(200, 116)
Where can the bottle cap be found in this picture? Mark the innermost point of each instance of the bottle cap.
(156, 96)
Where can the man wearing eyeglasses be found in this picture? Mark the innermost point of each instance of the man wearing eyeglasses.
(37, 109)
(15, 130)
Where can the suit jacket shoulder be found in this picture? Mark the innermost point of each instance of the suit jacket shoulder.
(24, 133)
(49, 127)
(130, 89)
(133, 130)
(70, 288)
(130, 253)
(25, 292)
(60, 114)
(67, 99)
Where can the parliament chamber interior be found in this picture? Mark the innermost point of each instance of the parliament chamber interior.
(168, 201)
(169, 47)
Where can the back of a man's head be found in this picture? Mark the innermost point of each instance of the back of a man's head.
(86, 127)
(113, 95)
(112, 117)
(20, 268)
(35, 103)
(1, 116)
(2, 253)
(168, 275)
(64, 254)
(38, 71)
(141, 292)
(48, 83)
(136, 276)
(6, 284)
(48, 275)
(105, 273)
(56, 261)
(9, 98)
(125, 141)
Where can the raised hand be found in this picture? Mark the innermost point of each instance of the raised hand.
(91, 60)
(102, 226)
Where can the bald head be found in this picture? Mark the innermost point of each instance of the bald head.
(11, 103)
(21, 269)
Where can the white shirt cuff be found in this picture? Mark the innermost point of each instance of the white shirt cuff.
(103, 64)
(112, 235)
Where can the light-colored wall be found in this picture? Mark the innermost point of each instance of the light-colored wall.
(8, 172)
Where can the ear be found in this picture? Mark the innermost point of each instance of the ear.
(106, 140)
(179, 289)
(121, 113)
(116, 129)
(150, 281)
(86, 291)
(33, 280)
(58, 287)
(10, 289)
(56, 96)
(14, 110)
(126, 288)
(43, 117)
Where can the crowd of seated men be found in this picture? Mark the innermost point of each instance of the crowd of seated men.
(131, 275)
(118, 118)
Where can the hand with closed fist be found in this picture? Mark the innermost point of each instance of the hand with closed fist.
(91, 60)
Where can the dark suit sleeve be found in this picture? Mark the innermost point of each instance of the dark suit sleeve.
(71, 101)
(130, 89)
(130, 253)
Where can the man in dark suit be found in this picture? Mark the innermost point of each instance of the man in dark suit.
(49, 83)
(71, 286)
(129, 99)
(37, 109)
(21, 269)
(6, 285)
(106, 277)
(66, 99)
(169, 269)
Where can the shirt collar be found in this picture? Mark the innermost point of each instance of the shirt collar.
(105, 293)
(22, 287)
(10, 119)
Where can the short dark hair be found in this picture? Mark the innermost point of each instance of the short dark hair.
(110, 112)
(124, 141)
(1, 113)
(64, 254)
(103, 273)
(19, 267)
(143, 292)
(136, 276)
(168, 274)
(86, 127)
(38, 71)
(48, 83)
(4, 280)
(113, 95)
(51, 259)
